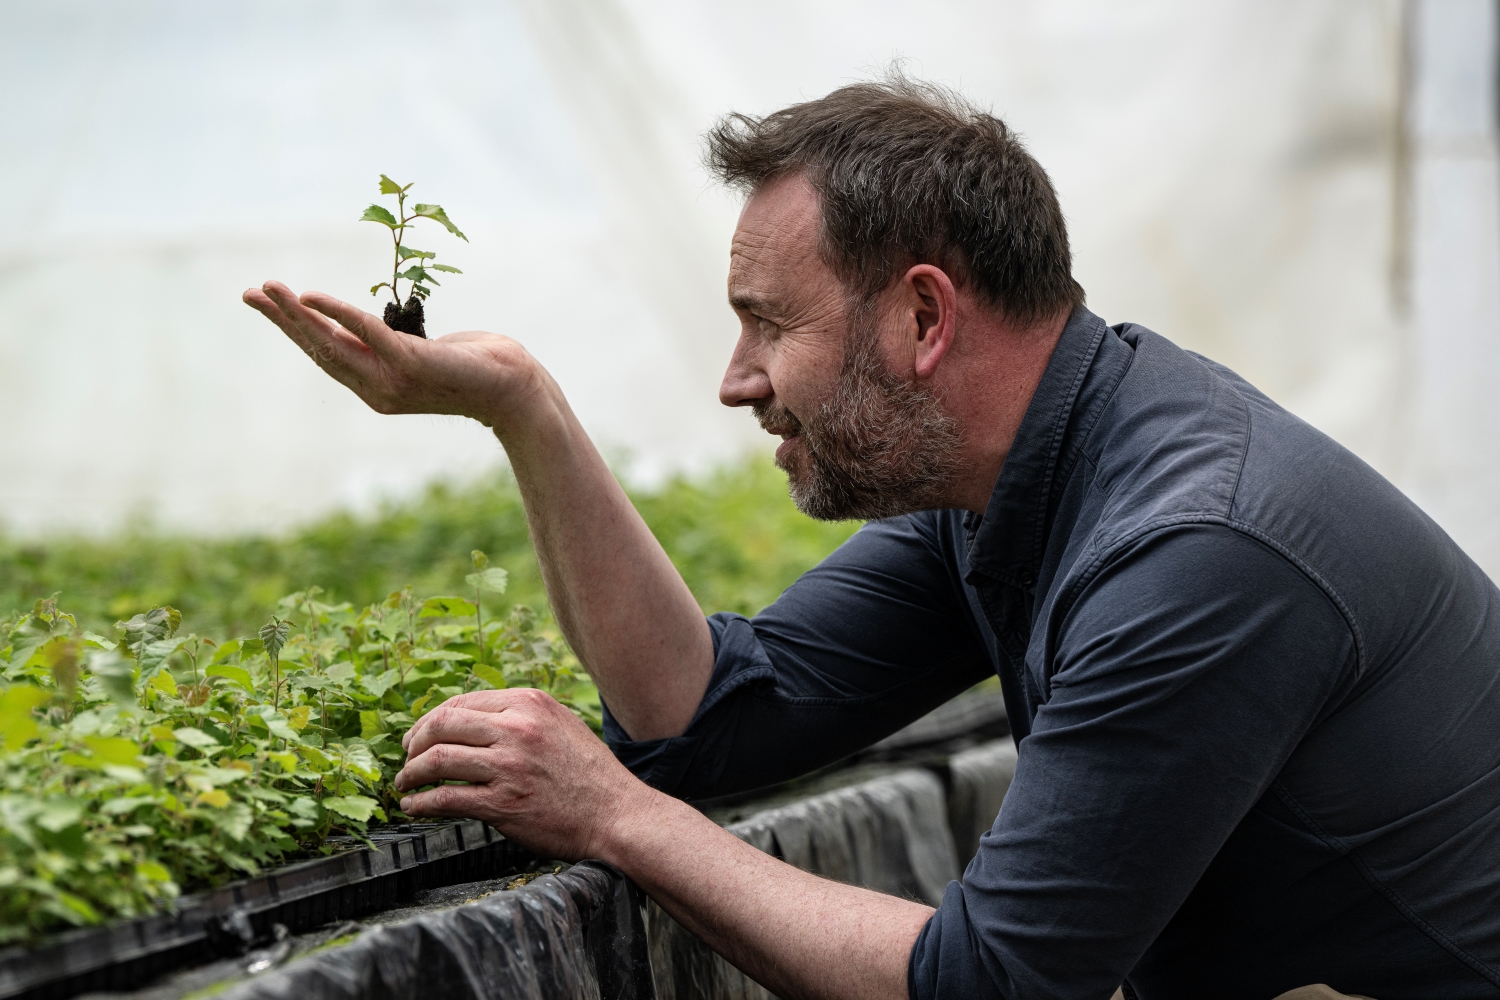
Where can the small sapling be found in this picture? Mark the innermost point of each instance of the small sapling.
(408, 318)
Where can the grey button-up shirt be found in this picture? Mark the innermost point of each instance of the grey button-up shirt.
(1255, 689)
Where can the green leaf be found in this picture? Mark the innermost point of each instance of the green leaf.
(196, 738)
(379, 684)
(238, 675)
(226, 650)
(444, 655)
(274, 635)
(355, 807)
(277, 725)
(76, 910)
(16, 720)
(370, 725)
(126, 804)
(216, 776)
(446, 607)
(315, 758)
(436, 214)
(414, 273)
(376, 213)
(445, 267)
(97, 640)
(116, 675)
(407, 253)
(59, 814)
(112, 750)
(216, 797)
(490, 676)
(153, 871)
(493, 579)
(388, 186)
(151, 626)
(340, 672)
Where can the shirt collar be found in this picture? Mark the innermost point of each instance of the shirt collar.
(1007, 543)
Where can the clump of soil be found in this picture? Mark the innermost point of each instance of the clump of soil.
(406, 319)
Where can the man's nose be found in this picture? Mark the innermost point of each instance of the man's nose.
(745, 381)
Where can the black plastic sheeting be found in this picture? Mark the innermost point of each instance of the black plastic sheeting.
(977, 782)
(395, 864)
(887, 834)
(589, 933)
(577, 934)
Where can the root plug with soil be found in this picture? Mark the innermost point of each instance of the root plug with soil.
(408, 317)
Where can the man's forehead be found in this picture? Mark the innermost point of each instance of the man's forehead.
(778, 229)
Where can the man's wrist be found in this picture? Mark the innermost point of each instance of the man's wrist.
(533, 421)
(643, 815)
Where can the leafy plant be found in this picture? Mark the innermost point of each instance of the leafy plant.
(125, 779)
(408, 318)
(734, 535)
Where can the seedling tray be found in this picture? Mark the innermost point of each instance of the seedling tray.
(353, 881)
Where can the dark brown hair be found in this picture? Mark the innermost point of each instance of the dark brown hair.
(911, 173)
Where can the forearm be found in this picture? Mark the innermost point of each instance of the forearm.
(795, 933)
(621, 603)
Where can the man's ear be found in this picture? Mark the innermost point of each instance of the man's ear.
(933, 319)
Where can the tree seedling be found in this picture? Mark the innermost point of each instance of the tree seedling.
(408, 318)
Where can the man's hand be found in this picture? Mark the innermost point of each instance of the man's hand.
(620, 601)
(481, 375)
(539, 776)
(534, 769)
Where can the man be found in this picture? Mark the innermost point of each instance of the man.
(1256, 691)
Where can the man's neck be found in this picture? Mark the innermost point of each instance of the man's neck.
(988, 391)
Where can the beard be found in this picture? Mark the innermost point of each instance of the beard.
(880, 446)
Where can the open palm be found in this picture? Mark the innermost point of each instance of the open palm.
(472, 374)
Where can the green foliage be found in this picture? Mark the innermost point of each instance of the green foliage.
(734, 536)
(137, 760)
(420, 273)
(122, 782)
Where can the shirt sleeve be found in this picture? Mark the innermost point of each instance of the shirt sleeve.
(1180, 681)
(876, 635)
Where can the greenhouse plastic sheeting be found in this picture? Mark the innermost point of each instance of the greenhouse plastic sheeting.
(578, 934)
(978, 781)
(887, 834)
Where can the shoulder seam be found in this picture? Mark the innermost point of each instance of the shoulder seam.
(1095, 565)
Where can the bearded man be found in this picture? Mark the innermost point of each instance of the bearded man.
(1255, 690)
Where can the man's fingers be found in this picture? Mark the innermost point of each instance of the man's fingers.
(446, 724)
(477, 701)
(315, 332)
(447, 762)
(369, 329)
(466, 801)
(336, 351)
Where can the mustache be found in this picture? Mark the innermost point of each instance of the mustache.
(775, 418)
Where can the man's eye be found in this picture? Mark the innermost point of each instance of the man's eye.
(768, 329)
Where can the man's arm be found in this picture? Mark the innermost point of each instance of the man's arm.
(876, 635)
(540, 776)
(621, 603)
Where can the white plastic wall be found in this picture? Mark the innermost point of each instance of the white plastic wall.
(1304, 191)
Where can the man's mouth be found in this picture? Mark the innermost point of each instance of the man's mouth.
(788, 442)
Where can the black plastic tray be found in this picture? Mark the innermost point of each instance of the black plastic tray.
(224, 921)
